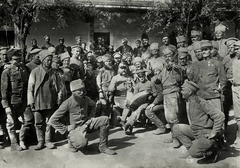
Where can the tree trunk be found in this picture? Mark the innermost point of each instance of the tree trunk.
(20, 41)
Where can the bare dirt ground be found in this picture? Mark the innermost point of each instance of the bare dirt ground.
(141, 150)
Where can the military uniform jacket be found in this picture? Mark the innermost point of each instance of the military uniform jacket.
(204, 117)
(79, 112)
(36, 80)
(227, 63)
(14, 81)
(211, 77)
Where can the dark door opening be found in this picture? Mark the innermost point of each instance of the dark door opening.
(104, 35)
(6, 38)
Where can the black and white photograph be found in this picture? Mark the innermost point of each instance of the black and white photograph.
(119, 84)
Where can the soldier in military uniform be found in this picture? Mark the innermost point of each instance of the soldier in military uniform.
(125, 48)
(3, 65)
(35, 61)
(211, 76)
(43, 97)
(82, 120)
(61, 48)
(76, 63)
(118, 92)
(145, 43)
(227, 63)
(14, 81)
(166, 44)
(235, 89)
(201, 138)
(103, 81)
(170, 79)
(156, 61)
(47, 43)
(219, 33)
(196, 36)
(181, 41)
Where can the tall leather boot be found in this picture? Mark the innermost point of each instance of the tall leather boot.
(13, 139)
(103, 141)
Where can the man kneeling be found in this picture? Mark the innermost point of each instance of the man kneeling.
(202, 137)
(81, 113)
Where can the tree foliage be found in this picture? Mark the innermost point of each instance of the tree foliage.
(22, 13)
(185, 14)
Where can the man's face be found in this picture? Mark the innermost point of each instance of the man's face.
(168, 56)
(80, 93)
(154, 52)
(185, 92)
(47, 62)
(219, 35)
(76, 52)
(83, 45)
(34, 42)
(145, 42)
(117, 60)
(36, 59)
(47, 39)
(66, 62)
(199, 54)
(4, 57)
(108, 64)
(195, 38)
(16, 61)
(206, 52)
(138, 65)
(78, 41)
(237, 51)
(138, 45)
(231, 49)
(129, 60)
(100, 64)
(183, 61)
(141, 76)
(165, 40)
(61, 41)
(122, 70)
(55, 65)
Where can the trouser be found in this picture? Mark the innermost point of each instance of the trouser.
(2, 124)
(197, 147)
(171, 107)
(100, 123)
(136, 114)
(26, 117)
(117, 111)
(228, 101)
(236, 105)
(43, 129)
(160, 121)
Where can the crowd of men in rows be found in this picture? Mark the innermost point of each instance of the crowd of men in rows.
(187, 90)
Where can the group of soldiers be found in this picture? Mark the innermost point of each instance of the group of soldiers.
(185, 90)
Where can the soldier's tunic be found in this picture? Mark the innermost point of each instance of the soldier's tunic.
(204, 119)
(236, 90)
(223, 50)
(170, 80)
(103, 81)
(14, 82)
(211, 78)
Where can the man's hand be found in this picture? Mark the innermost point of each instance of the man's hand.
(32, 106)
(101, 96)
(8, 110)
(150, 106)
(9, 118)
(209, 136)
